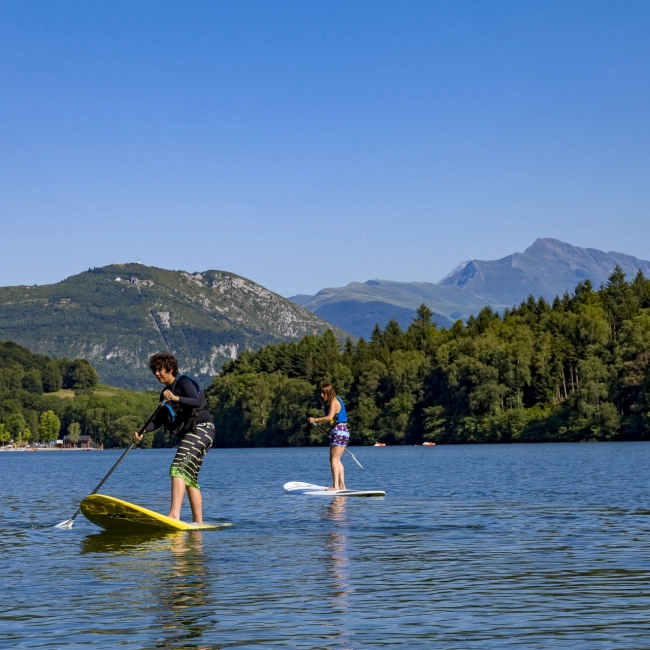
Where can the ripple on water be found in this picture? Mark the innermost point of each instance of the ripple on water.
(536, 546)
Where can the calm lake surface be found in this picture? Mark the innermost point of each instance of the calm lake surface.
(528, 546)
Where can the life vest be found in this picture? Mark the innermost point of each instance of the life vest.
(340, 417)
(172, 411)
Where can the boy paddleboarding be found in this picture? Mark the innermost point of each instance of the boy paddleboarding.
(186, 415)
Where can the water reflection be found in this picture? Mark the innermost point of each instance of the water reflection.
(143, 544)
(337, 566)
(173, 568)
(184, 593)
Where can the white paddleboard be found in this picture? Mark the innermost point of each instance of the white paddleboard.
(308, 489)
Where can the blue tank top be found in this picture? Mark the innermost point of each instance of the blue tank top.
(341, 416)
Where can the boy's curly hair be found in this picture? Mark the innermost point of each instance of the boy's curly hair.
(163, 361)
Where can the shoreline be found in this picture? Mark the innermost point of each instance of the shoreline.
(52, 449)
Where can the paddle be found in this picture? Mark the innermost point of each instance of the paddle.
(346, 449)
(69, 523)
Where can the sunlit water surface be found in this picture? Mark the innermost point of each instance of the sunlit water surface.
(529, 546)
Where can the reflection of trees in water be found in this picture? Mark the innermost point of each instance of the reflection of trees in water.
(180, 586)
(183, 593)
(138, 545)
(338, 569)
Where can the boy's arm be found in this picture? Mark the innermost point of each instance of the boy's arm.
(187, 393)
(156, 423)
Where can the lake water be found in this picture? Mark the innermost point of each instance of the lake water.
(522, 546)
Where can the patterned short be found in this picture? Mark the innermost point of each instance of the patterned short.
(191, 452)
(339, 435)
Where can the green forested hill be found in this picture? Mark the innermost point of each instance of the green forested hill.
(574, 369)
(43, 399)
(117, 316)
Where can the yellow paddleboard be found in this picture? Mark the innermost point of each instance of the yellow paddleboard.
(116, 515)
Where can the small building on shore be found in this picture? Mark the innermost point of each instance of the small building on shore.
(86, 441)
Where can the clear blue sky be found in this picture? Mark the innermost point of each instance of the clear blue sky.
(305, 143)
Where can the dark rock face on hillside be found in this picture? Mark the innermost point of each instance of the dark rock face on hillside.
(547, 268)
(118, 315)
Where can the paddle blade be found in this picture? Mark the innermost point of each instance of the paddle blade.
(66, 525)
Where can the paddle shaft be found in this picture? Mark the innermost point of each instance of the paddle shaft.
(128, 449)
(346, 449)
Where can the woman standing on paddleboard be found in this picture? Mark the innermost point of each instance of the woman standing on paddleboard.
(339, 435)
(185, 415)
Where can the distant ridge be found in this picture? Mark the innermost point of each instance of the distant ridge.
(358, 306)
(547, 268)
(458, 269)
(118, 315)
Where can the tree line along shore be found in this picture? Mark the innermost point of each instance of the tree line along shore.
(577, 368)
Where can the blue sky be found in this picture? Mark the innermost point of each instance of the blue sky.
(309, 144)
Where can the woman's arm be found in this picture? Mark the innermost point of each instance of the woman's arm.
(335, 407)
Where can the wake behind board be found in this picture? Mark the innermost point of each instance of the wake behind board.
(116, 515)
(296, 487)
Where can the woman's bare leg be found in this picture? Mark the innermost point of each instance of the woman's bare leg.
(338, 472)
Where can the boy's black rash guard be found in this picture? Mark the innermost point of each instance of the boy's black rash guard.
(187, 416)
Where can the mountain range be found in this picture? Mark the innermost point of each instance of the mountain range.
(547, 268)
(118, 315)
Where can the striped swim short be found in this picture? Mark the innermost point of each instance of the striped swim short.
(191, 452)
(339, 435)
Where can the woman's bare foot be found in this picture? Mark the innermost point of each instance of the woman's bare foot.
(331, 489)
